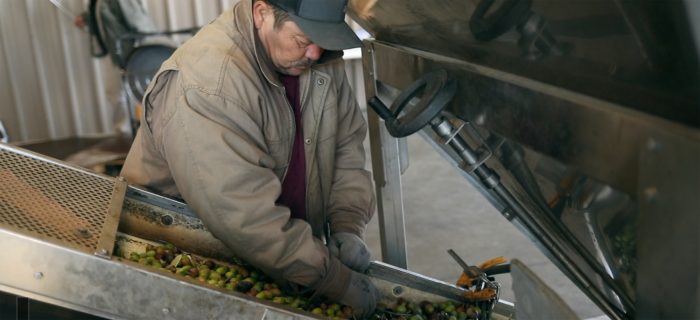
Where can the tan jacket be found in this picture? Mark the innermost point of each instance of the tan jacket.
(218, 132)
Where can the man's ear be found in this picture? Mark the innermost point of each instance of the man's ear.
(260, 8)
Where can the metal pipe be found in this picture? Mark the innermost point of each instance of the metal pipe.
(491, 181)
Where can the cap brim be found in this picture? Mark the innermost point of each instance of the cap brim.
(329, 36)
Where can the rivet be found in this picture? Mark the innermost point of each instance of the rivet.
(38, 275)
(103, 252)
(321, 82)
(398, 290)
(166, 311)
(167, 220)
(307, 141)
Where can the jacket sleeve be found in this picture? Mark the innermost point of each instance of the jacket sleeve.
(225, 174)
(352, 201)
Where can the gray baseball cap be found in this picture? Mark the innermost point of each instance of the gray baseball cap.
(323, 21)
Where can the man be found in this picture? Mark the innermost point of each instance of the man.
(252, 122)
(108, 23)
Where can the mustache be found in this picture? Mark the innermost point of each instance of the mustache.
(304, 63)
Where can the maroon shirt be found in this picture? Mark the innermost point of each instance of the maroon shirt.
(294, 185)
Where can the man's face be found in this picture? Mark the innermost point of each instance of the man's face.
(289, 49)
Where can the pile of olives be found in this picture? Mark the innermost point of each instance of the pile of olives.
(448, 310)
(246, 279)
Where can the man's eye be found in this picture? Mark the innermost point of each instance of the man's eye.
(301, 44)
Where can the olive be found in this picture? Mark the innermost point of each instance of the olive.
(252, 282)
(183, 271)
(401, 308)
(279, 300)
(221, 270)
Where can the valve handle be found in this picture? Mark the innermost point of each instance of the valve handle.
(437, 90)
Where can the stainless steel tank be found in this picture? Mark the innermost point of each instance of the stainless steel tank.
(578, 120)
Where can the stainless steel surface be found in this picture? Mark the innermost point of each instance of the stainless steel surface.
(532, 293)
(118, 289)
(111, 219)
(387, 168)
(668, 219)
(54, 202)
(568, 122)
(140, 194)
(642, 54)
(162, 223)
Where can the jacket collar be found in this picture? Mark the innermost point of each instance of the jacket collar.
(243, 15)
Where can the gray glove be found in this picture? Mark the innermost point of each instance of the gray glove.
(361, 295)
(350, 249)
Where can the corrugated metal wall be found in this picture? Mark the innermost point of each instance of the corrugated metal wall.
(51, 87)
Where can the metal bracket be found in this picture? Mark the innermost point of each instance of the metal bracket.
(483, 151)
(108, 235)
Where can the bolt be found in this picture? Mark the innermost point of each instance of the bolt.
(166, 311)
(38, 275)
(103, 252)
(167, 220)
(398, 290)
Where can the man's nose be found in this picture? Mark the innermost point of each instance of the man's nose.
(313, 52)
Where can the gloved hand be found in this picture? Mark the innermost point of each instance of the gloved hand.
(350, 249)
(361, 295)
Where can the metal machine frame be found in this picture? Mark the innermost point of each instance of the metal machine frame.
(569, 128)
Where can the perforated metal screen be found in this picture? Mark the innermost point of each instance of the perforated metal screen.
(52, 202)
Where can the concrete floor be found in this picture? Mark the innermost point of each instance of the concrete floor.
(444, 211)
